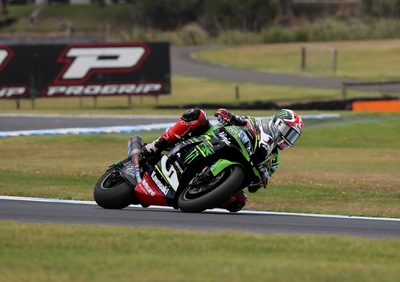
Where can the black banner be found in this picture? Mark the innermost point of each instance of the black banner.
(82, 70)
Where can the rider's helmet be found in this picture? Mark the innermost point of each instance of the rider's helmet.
(289, 126)
(282, 130)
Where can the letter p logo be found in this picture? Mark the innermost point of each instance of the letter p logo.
(83, 61)
(5, 56)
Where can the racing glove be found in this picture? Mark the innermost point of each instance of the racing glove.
(225, 117)
(266, 170)
(257, 184)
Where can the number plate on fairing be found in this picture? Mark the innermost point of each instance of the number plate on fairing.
(166, 176)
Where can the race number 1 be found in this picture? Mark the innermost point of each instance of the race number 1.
(170, 174)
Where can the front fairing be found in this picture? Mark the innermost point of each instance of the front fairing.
(220, 142)
(219, 138)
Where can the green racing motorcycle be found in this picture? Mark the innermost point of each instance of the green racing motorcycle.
(194, 175)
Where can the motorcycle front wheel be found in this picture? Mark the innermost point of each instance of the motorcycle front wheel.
(113, 192)
(207, 195)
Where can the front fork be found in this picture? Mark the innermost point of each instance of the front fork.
(201, 177)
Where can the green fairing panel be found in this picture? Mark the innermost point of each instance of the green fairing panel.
(203, 147)
(220, 165)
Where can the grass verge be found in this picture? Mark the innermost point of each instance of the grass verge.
(383, 58)
(48, 252)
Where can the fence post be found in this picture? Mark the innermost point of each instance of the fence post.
(303, 58)
(32, 95)
(33, 17)
(344, 90)
(334, 61)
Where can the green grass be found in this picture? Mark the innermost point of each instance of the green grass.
(351, 131)
(48, 252)
(20, 11)
(364, 60)
(84, 18)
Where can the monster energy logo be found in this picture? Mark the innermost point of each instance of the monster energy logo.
(283, 114)
(204, 149)
(192, 155)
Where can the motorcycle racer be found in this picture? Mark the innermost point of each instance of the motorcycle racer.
(279, 132)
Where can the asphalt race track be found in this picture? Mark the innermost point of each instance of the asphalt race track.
(184, 64)
(17, 122)
(71, 212)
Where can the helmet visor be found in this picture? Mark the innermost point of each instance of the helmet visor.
(289, 135)
(292, 135)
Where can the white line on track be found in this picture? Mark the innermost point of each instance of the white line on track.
(109, 129)
(86, 130)
(49, 200)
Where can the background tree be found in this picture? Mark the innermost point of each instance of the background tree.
(4, 7)
(249, 15)
(168, 14)
(285, 14)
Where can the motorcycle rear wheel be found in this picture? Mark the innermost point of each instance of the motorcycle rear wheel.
(208, 195)
(113, 192)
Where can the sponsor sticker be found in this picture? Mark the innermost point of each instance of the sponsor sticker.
(13, 91)
(103, 90)
(148, 188)
(224, 137)
(164, 189)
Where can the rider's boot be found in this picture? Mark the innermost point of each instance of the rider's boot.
(192, 121)
(149, 150)
(170, 136)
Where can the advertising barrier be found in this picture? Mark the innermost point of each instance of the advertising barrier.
(377, 106)
(84, 70)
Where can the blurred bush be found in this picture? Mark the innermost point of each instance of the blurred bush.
(327, 30)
